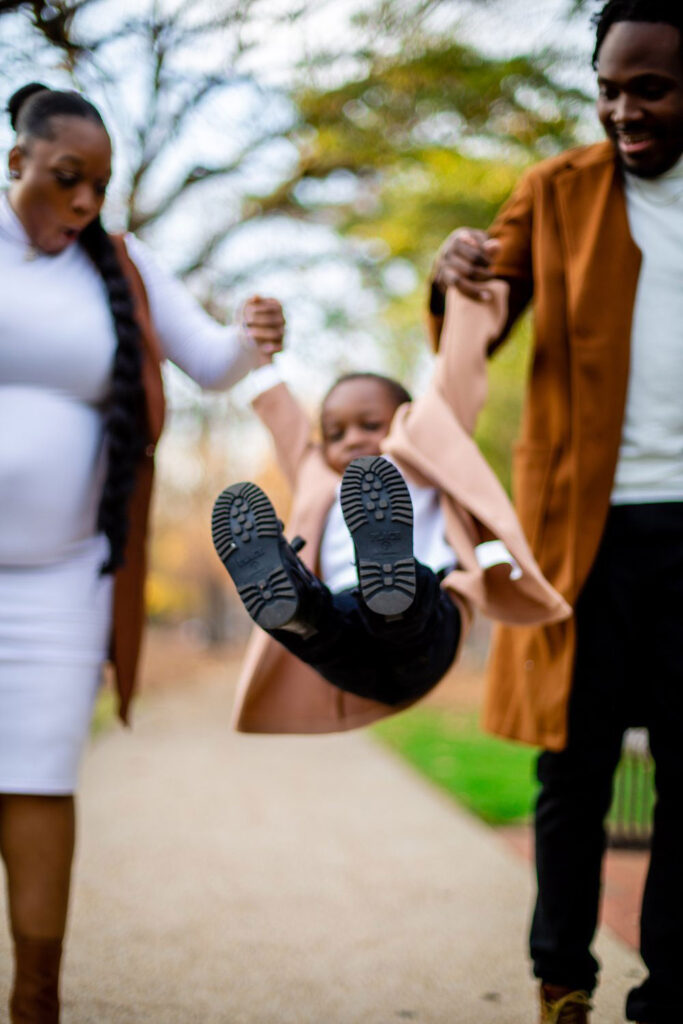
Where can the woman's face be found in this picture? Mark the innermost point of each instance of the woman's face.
(58, 184)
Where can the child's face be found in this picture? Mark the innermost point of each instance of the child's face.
(355, 418)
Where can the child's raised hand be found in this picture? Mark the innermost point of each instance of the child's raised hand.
(264, 322)
(465, 260)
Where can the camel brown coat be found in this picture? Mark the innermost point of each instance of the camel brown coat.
(565, 242)
(129, 580)
(430, 440)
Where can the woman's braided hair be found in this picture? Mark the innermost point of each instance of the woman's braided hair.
(31, 110)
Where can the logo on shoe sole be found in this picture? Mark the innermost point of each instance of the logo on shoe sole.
(248, 560)
(385, 540)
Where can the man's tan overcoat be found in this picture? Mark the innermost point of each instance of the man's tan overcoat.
(565, 242)
(430, 440)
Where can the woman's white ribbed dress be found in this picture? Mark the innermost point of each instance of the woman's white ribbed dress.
(57, 343)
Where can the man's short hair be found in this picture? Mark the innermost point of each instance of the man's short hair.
(666, 12)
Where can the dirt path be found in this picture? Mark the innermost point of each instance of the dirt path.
(251, 880)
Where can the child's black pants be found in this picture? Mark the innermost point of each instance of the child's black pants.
(386, 660)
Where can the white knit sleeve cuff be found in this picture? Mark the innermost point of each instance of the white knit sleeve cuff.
(494, 552)
(262, 379)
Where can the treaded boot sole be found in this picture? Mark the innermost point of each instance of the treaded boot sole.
(246, 534)
(379, 515)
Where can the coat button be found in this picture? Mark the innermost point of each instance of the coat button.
(529, 665)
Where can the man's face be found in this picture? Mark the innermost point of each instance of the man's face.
(640, 77)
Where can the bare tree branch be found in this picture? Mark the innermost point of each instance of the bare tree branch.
(140, 219)
(285, 261)
(54, 22)
(204, 254)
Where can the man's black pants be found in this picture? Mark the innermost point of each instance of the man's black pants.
(628, 671)
(389, 660)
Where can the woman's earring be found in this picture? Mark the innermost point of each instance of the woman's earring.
(14, 174)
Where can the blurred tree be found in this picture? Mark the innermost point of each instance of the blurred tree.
(192, 123)
(416, 135)
(159, 71)
(388, 135)
(380, 138)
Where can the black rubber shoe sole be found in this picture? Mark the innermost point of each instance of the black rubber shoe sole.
(247, 536)
(379, 515)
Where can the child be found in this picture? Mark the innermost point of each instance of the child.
(391, 635)
(375, 642)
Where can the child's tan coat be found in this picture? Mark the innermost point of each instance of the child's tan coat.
(430, 439)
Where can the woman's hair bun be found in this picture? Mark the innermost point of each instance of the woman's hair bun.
(17, 100)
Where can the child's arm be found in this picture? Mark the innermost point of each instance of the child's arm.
(271, 399)
(469, 330)
(280, 412)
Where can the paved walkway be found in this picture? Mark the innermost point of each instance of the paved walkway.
(227, 879)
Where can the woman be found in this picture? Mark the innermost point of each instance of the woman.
(83, 330)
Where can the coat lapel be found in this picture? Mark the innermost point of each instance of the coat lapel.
(129, 580)
(602, 265)
(602, 261)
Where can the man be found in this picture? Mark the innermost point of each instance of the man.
(595, 238)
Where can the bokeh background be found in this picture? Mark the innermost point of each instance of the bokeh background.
(318, 151)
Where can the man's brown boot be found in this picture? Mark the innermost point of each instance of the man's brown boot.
(35, 994)
(560, 1005)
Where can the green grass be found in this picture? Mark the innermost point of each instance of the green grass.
(105, 711)
(493, 778)
(634, 796)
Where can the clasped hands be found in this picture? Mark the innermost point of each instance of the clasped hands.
(263, 321)
(464, 261)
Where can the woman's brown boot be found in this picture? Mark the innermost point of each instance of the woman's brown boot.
(35, 995)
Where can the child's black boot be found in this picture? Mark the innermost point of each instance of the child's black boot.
(275, 586)
(379, 515)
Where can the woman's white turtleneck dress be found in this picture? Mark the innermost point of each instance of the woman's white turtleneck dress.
(57, 343)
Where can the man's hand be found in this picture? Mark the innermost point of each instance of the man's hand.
(264, 322)
(464, 260)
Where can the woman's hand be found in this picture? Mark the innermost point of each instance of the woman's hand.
(264, 322)
(464, 260)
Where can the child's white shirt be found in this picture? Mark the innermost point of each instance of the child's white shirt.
(337, 560)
